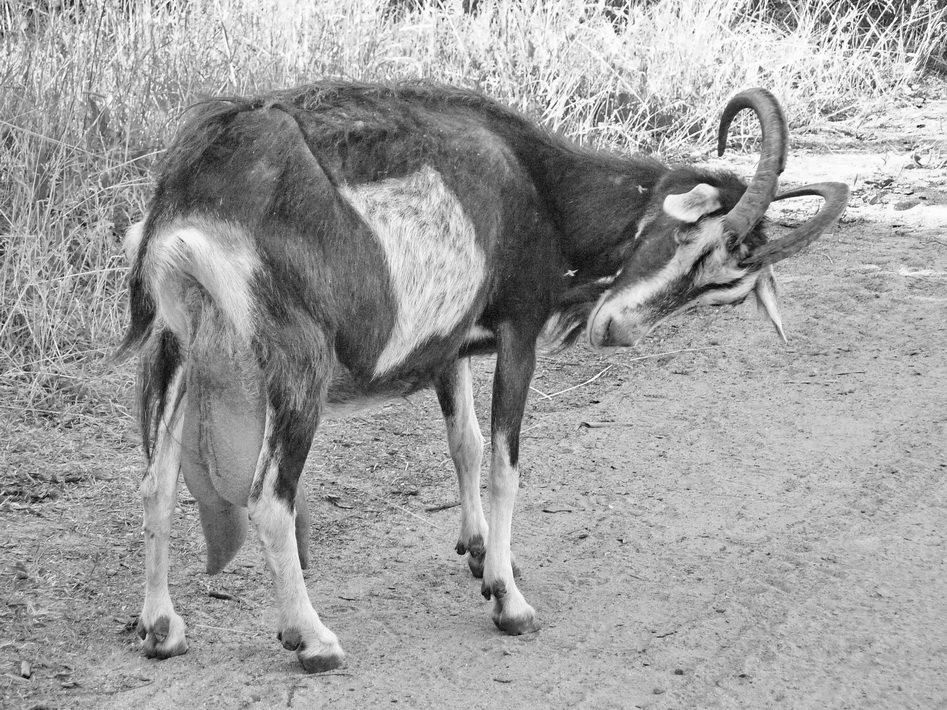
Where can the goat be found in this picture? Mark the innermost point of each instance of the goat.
(336, 243)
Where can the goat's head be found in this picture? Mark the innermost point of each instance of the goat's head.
(701, 241)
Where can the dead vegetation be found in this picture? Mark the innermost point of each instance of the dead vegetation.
(92, 90)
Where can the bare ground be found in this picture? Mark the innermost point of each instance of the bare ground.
(714, 520)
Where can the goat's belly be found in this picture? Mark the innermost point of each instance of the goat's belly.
(347, 398)
(357, 405)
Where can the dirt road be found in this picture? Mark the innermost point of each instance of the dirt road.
(714, 520)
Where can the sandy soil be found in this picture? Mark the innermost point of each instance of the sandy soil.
(716, 520)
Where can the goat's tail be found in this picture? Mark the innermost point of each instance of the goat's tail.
(160, 355)
(206, 122)
(141, 305)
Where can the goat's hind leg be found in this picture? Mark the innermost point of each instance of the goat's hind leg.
(273, 510)
(159, 626)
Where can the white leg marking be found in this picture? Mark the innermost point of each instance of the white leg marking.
(430, 244)
(159, 626)
(511, 613)
(300, 628)
(466, 450)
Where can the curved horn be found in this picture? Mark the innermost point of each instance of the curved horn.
(835, 195)
(749, 210)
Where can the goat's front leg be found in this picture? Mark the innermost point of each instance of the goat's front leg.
(455, 395)
(516, 360)
(273, 511)
(159, 626)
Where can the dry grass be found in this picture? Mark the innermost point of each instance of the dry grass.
(87, 99)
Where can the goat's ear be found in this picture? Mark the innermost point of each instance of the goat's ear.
(691, 206)
(765, 292)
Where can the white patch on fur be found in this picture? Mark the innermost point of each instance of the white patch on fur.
(435, 265)
(218, 256)
(133, 240)
(645, 222)
(478, 334)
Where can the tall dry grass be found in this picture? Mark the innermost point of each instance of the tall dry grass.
(89, 96)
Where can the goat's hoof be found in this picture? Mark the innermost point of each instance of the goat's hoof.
(164, 637)
(316, 657)
(511, 614)
(475, 562)
(476, 552)
(515, 624)
(321, 662)
(291, 638)
(496, 590)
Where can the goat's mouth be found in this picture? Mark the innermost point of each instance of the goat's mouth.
(612, 329)
(626, 327)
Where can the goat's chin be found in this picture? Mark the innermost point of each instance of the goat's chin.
(617, 336)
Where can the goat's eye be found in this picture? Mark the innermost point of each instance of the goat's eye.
(702, 259)
(685, 236)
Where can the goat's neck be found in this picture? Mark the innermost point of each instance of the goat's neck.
(599, 201)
